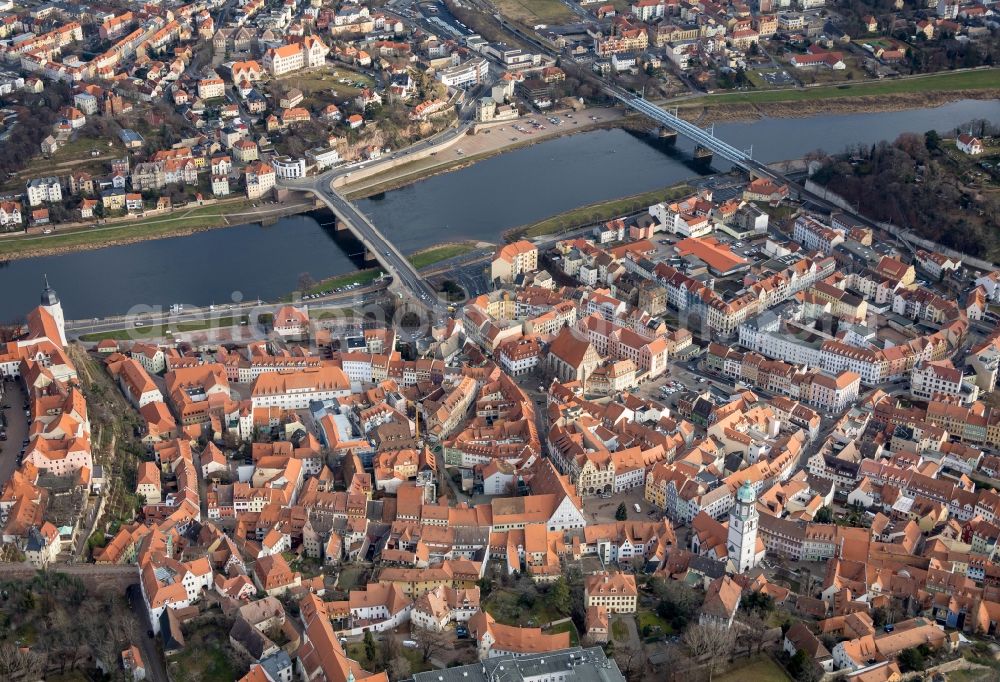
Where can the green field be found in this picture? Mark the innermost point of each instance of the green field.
(595, 213)
(361, 277)
(159, 330)
(938, 82)
(574, 636)
(505, 606)
(762, 669)
(619, 631)
(320, 81)
(439, 253)
(149, 228)
(532, 12)
(649, 618)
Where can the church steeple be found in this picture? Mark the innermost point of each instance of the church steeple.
(49, 295)
(51, 304)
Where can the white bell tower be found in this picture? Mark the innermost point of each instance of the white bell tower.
(742, 540)
(51, 304)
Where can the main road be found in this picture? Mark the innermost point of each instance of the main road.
(375, 243)
(384, 251)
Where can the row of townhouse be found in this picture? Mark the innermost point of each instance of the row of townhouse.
(695, 299)
(768, 335)
(829, 393)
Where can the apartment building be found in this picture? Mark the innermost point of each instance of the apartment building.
(44, 190)
(294, 390)
(617, 592)
(512, 260)
(940, 380)
(309, 53)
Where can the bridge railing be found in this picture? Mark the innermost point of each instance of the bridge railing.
(703, 137)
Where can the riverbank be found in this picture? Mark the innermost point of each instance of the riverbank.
(500, 139)
(178, 223)
(441, 252)
(850, 97)
(597, 212)
(423, 258)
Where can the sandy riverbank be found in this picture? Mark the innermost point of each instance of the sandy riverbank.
(746, 111)
(501, 139)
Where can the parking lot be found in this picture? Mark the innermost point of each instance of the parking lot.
(602, 510)
(776, 78)
(16, 428)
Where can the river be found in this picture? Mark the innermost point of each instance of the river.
(477, 202)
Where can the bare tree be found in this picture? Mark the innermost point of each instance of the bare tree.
(751, 632)
(631, 661)
(17, 663)
(711, 643)
(681, 664)
(430, 642)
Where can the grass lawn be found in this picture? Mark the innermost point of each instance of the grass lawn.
(649, 618)
(356, 650)
(206, 662)
(619, 631)
(939, 82)
(416, 659)
(972, 675)
(779, 212)
(532, 12)
(159, 330)
(361, 277)
(599, 212)
(158, 226)
(437, 254)
(348, 579)
(74, 150)
(574, 636)
(505, 607)
(761, 669)
(323, 80)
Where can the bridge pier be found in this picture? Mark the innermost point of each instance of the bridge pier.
(703, 155)
(666, 135)
(370, 256)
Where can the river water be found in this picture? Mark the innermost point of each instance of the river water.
(478, 202)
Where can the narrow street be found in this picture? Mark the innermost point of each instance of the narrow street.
(147, 645)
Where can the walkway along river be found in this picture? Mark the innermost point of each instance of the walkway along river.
(477, 202)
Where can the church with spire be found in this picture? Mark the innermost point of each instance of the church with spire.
(51, 304)
(744, 553)
(42, 346)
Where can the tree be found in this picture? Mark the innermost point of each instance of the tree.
(751, 633)
(622, 513)
(932, 140)
(558, 597)
(757, 603)
(824, 515)
(430, 642)
(711, 643)
(631, 661)
(306, 281)
(392, 660)
(803, 668)
(678, 602)
(911, 660)
(370, 649)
